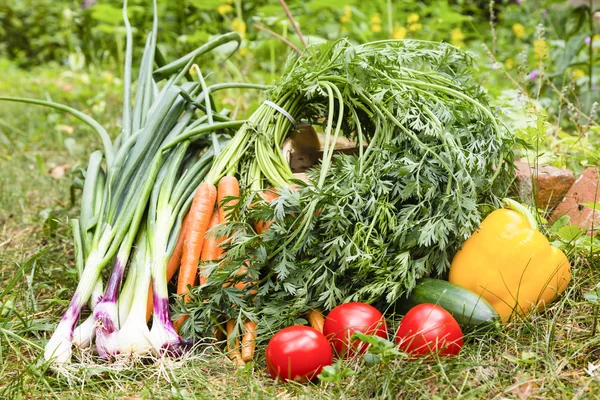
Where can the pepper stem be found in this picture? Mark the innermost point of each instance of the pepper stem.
(522, 209)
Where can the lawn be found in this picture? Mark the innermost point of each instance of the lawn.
(551, 354)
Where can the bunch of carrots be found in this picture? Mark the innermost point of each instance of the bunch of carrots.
(212, 206)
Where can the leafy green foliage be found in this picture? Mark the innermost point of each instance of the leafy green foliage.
(335, 373)
(379, 350)
(376, 222)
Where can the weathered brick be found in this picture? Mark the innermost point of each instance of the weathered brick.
(551, 184)
(586, 189)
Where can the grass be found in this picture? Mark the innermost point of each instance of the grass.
(549, 355)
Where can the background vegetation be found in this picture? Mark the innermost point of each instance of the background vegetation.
(539, 59)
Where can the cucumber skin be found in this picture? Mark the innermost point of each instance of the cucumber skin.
(472, 312)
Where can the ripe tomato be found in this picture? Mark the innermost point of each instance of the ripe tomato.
(428, 328)
(348, 318)
(298, 353)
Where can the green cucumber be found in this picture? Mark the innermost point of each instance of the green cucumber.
(471, 311)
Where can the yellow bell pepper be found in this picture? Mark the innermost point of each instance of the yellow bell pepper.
(510, 263)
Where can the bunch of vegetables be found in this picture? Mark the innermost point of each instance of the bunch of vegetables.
(300, 353)
(431, 157)
(186, 188)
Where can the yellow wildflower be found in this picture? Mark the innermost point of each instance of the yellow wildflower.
(518, 30)
(415, 27)
(243, 51)
(595, 37)
(224, 9)
(412, 18)
(399, 32)
(229, 1)
(376, 28)
(577, 73)
(239, 26)
(540, 48)
(509, 63)
(345, 18)
(376, 19)
(457, 36)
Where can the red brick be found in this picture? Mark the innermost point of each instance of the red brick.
(586, 189)
(551, 184)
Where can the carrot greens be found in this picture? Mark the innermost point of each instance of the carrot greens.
(431, 157)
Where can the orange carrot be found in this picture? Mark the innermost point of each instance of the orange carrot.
(175, 260)
(211, 250)
(228, 186)
(267, 195)
(316, 319)
(199, 219)
(234, 352)
(172, 266)
(249, 341)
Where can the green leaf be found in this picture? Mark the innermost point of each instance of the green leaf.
(106, 13)
(335, 373)
(572, 48)
(591, 297)
(317, 5)
(594, 206)
(569, 233)
(560, 223)
(576, 20)
(381, 348)
(207, 5)
(594, 295)
(269, 10)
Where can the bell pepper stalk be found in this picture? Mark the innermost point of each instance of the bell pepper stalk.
(511, 264)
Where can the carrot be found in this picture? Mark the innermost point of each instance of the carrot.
(249, 341)
(199, 218)
(172, 266)
(211, 250)
(228, 186)
(316, 319)
(234, 352)
(267, 195)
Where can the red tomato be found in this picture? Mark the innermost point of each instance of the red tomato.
(348, 318)
(428, 328)
(298, 353)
